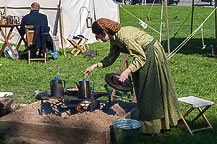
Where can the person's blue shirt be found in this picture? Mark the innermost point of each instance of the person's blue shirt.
(33, 18)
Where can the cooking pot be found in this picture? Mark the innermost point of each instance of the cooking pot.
(72, 91)
(84, 89)
(57, 88)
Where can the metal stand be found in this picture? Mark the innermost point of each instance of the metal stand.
(64, 105)
(114, 90)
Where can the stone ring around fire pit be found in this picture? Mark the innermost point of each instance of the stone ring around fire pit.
(68, 105)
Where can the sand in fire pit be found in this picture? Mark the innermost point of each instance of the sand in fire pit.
(97, 120)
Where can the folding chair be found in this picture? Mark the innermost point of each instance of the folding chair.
(196, 103)
(78, 42)
(31, 43)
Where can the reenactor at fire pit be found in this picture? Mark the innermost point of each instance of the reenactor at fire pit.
(153, 82)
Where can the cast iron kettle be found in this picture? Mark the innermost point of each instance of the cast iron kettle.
(57, 88)
(84, 89)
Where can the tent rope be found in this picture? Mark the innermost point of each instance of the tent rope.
(161, 20)
(147, 18)
(139, 20)
(189, 37)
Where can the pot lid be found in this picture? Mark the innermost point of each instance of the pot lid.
(56, 78)
(113, 81)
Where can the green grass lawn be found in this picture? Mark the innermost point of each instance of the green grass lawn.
(194, 70)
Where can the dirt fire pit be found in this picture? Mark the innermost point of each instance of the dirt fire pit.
(28, 125)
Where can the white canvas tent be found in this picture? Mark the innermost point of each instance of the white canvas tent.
(74, 14)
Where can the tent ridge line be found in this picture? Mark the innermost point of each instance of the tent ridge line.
(29, 8)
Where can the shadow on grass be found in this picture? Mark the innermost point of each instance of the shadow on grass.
(180, 135)
(191, 47)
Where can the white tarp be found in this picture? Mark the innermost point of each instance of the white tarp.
(75, 13)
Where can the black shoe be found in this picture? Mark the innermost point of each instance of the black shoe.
(25, 52)
(90, 53)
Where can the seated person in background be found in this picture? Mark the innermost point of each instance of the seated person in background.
(40, 23)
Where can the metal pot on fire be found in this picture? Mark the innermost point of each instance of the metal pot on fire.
(84, 89)
(72, 91)
(57, 87)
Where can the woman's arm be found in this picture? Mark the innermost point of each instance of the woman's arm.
(90, 69)
(110, 59)
(136, 51)
(124, 75)
(107, 61)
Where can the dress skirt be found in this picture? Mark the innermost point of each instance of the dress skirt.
(155, 91)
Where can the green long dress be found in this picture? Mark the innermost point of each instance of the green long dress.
(153, 82)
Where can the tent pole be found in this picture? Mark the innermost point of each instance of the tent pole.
(41, 8)
(215, 21)
(118, 14)
(6, 14)
(215, 47)
(168, 35)
(6, 11)
(62, 31)
(57, 19)
(192, 19)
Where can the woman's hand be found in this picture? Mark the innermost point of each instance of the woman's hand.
(90, 69)
(124, 75)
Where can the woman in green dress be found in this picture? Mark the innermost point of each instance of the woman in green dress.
(153, 83)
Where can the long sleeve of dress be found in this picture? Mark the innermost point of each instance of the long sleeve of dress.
(136, 51)
(131, 41)
(110, 59)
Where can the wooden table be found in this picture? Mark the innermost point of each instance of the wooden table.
(6, 38)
